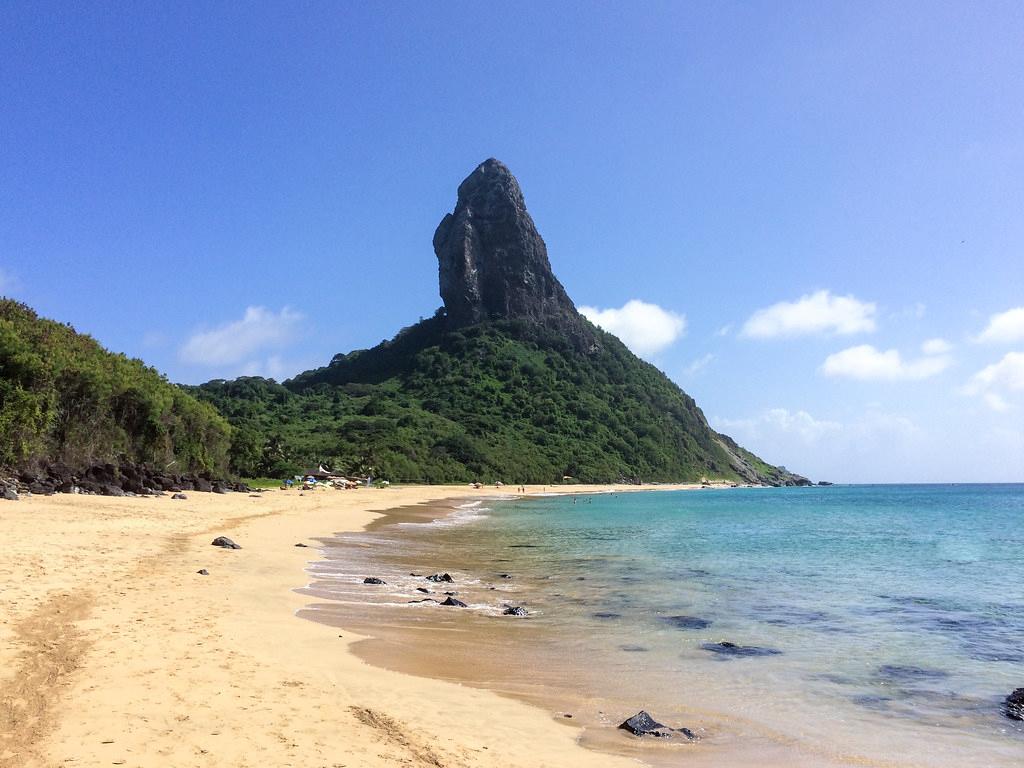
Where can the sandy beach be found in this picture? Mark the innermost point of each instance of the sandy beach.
(115, 651)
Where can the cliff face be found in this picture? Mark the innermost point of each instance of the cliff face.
(493, 263)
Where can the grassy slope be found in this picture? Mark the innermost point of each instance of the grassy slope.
(507, 400)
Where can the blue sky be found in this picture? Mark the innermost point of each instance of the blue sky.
(807, 193)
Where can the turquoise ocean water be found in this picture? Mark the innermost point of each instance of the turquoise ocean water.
(887, 622)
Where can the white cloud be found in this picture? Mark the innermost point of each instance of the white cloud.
(259, 329)
(725, 330)
(8, 282)
(154, 339)
(915, 311)
(698, 365)
(815, 313)
(275, 367)
(1004, 328)
(995, 382)
(780, 420)
(874, 445)
(936, 347)
(644, 328)
(866, 363)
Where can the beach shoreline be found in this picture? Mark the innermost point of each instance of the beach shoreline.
(116, 651)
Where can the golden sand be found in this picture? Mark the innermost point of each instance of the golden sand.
(114, 651)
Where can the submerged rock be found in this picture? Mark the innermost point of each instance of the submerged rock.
(373, 580)
(725, 648)
(424, 590)
(905, 673)
(438, 577)
(1013, 706)
(686, 622)
(225, 542)
(642, 724)
(451, 601)
(514, 610)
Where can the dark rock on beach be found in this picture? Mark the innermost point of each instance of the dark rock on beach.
(438, 577)
(300, 544)
(10, 494)
(122, 479)
(686, 622)
(179, 496)
(727, 649)
(642, 724)
(203, 572)
(373, 580)
(514, 610)
(1013, 706)
(451, 601)
(225, 542)
(424, 590)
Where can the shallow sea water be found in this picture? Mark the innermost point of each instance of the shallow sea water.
(880, 625)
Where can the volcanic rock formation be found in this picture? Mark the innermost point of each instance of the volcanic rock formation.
(493, 263)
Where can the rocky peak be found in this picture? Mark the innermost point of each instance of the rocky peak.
(493, 263)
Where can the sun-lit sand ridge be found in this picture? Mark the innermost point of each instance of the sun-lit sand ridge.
(113, 650)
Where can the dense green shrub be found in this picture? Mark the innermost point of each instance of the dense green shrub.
(64, 398)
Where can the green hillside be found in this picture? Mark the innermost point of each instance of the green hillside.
(504, 400)
(63, 398)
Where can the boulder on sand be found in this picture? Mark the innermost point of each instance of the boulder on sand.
(451, 601)
(438, 577)
(373, 580)
(225, 542)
